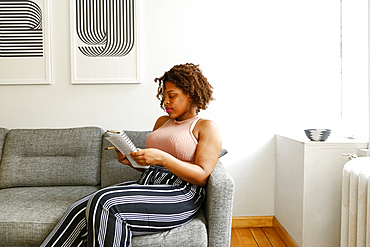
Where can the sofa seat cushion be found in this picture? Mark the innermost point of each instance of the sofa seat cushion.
(193, 234)
(28, 214)
(51, 157)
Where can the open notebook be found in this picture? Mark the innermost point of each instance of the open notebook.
(123, 143)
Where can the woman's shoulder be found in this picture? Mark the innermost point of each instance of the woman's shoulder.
(205, 126)
(160, 121)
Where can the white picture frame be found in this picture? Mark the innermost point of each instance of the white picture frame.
(99, 55)
(25, 56)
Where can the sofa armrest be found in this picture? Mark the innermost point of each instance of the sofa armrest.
(218, 206)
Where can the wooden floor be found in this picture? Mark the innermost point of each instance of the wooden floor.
(256, 236)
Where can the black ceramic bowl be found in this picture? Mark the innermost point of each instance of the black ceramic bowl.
(317, 134)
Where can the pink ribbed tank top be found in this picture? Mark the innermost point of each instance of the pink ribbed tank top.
(176, 138)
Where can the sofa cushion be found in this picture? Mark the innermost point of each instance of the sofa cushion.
(113, 172)
(189, 235)
(3, 132)
(51, 157)
(28, 214)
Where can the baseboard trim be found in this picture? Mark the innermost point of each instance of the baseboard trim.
(252, 221)
(264, 221)
(284, 235)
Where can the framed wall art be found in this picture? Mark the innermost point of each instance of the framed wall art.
(104, 41)
(24, 42)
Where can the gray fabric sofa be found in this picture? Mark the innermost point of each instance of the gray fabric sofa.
(43, 171)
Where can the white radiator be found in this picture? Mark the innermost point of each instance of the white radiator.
(355, 222)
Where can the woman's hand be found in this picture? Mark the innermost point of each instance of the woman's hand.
(122, 158)
(149, 157)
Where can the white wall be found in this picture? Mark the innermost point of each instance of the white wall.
(274, 65)
(355, 120)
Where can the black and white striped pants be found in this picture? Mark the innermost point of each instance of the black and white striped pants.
(159, 201)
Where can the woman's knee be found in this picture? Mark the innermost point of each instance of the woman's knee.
(99, 198)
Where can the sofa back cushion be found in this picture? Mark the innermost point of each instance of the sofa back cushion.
(3, 132)
(51, 157)
(113, 172)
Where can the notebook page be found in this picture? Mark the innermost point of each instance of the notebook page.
(125, 146)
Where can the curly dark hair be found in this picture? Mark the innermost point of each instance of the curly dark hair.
(189, 78)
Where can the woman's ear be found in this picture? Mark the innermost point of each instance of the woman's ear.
(191, 103)
(189, 98)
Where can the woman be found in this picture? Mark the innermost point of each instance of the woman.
(181, 153)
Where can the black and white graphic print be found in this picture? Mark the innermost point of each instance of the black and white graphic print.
(106, 27)
(20, 29)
